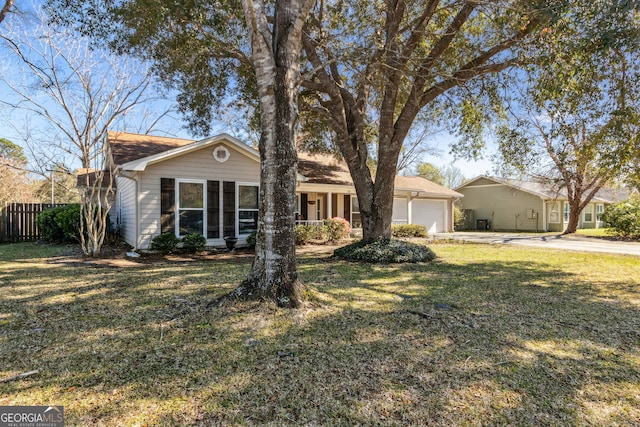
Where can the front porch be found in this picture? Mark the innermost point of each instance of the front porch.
(312, 207)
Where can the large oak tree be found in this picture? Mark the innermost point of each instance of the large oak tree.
(248, 51)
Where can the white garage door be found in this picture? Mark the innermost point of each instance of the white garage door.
(400, 211)
(430, 213)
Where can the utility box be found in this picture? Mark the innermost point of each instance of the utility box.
(469, 219)
(483, 224)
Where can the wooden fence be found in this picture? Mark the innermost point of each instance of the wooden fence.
(18, 221)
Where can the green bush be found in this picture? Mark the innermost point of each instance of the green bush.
(305, 233)
(194, 242)
(409, 230)
(624, 218)
(251, 239)
(385, 251)
(337, 229)
(164, 243)
(458, 218)
(60, 224)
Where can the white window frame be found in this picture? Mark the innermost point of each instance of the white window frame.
(554, 210)
(204, 204)
(244, 184)
(599, 212)
(566, 211)
(318, 208)
(352, 211)
(588, 210)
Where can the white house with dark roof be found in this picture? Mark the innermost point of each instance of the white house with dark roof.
(511, 204)
(210, 187)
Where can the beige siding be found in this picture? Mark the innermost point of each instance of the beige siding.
(125, 209)
(196, 165)
(510, 207)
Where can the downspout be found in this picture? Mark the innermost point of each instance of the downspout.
(410, 206)
(137, 218)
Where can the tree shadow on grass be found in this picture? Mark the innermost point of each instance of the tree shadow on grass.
(511, 343)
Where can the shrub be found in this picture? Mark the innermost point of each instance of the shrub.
(459, 218)
(194, 242)
(60, 224)
(251, 239)
(164, 243)
(306, 233)
(409, 230)
(337, 229)
(624, 218)
(385, 251)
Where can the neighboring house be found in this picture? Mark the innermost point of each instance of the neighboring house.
(170, 185)
(509, 204)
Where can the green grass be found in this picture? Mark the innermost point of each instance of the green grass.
(594, 232)
(485, 335)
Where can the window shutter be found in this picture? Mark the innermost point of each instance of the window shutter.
(229, 208)
(304, 199)
(347, 207)
(213, 209)
(167, 205)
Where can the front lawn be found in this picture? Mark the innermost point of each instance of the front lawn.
(485, 335)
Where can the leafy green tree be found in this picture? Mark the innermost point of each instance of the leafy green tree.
(376, 68)
(249, 50)
(15, 185)
(576, 120)
(275, 55)
(12, 152)
(431, 172)
(370, 68)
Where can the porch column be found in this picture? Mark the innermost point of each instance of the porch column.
(329, 207)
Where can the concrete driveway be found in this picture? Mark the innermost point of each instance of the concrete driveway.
(547, 240)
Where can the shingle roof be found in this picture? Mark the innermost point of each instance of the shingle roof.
(326, 169)
(323, 169)
(127, 147)
(418, 183)
(316, 168)
(551, 191)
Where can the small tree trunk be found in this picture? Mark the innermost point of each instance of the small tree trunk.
(94, 211)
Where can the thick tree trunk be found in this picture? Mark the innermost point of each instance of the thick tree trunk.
(574, 217)
(377, 212)
(578, 199)
(276, 58)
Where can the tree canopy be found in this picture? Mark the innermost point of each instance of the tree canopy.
(373, 71)
(10, 152)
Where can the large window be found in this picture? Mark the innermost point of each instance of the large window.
(567, 212)
(356, 219)
(588, 213)
(190, 205)
(247, 208)
(554, 215)
(599, 212)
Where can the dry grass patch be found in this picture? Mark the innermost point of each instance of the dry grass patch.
(485, 335)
